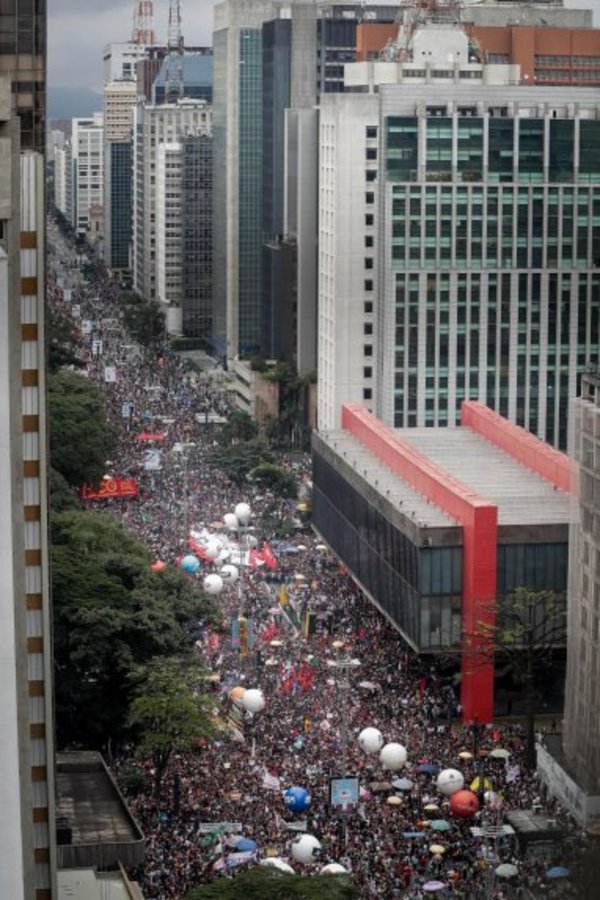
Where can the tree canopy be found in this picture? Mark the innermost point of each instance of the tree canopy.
(275, 478)
(169, 714)
(112, 614)
(81, 439)
(143, 319)
(238, 460)
(262, 883)
(61, 341)
(528, 628)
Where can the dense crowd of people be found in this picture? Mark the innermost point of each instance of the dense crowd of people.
(315, 707)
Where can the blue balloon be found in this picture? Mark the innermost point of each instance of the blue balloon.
(190, 564)
(297, 799)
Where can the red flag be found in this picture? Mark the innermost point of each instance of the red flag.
(268, 556)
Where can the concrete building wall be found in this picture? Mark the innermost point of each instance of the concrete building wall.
(581, 731)
(87, 152)
(347, 350)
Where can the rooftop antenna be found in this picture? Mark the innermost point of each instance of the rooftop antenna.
(174, 67)
(175, 38)
(143, 23)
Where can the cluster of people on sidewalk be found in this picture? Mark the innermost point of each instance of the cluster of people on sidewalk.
(315, 709)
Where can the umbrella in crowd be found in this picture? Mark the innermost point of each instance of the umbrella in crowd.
(558, 872)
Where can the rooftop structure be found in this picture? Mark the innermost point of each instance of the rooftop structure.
(437, 524)
(94, 825)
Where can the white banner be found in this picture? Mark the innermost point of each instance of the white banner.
(110, 375)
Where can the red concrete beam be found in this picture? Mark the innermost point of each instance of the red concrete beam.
(515, 441)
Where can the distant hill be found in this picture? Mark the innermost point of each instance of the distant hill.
(71, 102)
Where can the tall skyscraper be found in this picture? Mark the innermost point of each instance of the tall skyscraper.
(119, 100)
(27, 843)
(237, 187)
(154, 127)
(87, 155)
(459, 248)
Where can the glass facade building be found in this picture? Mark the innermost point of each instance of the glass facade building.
(196, 236)
(490, 235)
(118, 172)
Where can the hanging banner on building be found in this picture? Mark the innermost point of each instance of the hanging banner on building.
(111, 487)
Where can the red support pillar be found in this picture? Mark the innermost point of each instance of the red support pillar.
(478, 518)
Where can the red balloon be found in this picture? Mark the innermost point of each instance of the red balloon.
(464, 804)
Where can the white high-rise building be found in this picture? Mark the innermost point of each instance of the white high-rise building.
(169, 222)
(62, 178)
(155, 126)
(459, 256)
(121, 59)
(87, 153)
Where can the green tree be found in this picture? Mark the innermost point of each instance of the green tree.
(169, 714)
(529, 627)
(112, 614)
(238, 460)
(62, 341)
(262, 883)
(62, 495)
(275, 478)
(143, 319)
(81, 440)
(239, 427)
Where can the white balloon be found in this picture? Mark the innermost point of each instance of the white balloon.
(224, 555)
(274, 862)
(254, 700)
(370, 740)
(243, 513)
(305, 848)
(449, 781)
(230, 573)
(333, 869)
(231, 521)
(393, 756)
(211, 550)
(251, 541)
(213, 584)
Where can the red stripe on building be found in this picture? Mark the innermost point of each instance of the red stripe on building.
(523, 446)
(478, 518)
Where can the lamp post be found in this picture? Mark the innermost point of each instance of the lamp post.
(181, 448)
(345, 664)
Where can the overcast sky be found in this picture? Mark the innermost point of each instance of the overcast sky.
(78, 30)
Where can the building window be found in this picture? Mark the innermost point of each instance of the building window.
(371, 131)
(371, 152)
(368, 262)
(368, 350)
(369, 219)
(367, 393)
(368, 306)
(369, 198)
(368, 284)
(371, 174)
(368, 328)
(367, 372)
(368, 240)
